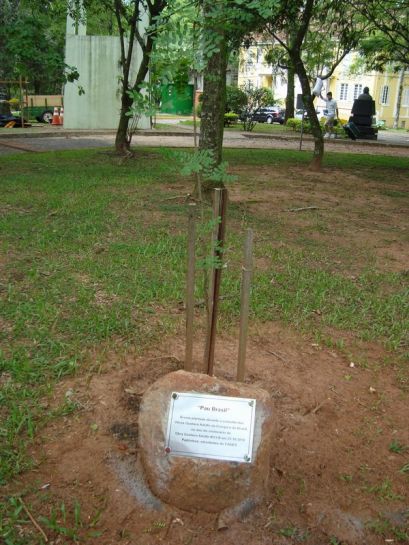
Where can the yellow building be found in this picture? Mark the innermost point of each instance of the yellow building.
(346, 86)
(254, 70)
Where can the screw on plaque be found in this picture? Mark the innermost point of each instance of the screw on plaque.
(174, 395)
(247, 458)
(251, 403)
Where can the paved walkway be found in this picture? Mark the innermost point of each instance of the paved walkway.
(46, 138)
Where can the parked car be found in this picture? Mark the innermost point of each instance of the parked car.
(41, 107)
(270, 114)
(6, 116)
(320, 112)
(44, 116)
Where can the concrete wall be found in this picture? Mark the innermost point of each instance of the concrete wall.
(97, 61)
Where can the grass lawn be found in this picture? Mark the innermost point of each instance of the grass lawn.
(93, 253)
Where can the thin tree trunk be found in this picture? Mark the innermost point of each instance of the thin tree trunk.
(396, 113)
(123, 138)
(318, 152)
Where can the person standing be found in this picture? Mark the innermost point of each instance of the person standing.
(332, 114)
(365, 95)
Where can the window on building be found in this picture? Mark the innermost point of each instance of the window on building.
(405, 97)
(343, 92)
(357, 90)
(385, 94)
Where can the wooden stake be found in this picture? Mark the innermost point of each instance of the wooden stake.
(218, 254)
(190, 287)
(245, 303)
(211, 273)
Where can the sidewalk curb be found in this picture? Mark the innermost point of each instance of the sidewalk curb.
(337, 141)
(67, 133)
(61, 133)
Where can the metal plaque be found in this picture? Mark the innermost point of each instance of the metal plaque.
(209, 426)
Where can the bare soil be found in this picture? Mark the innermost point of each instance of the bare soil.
(333, 478)
(329, 463)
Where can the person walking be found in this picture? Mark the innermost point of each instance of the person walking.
(332, 114)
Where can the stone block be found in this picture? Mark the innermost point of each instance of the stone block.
(192, 483)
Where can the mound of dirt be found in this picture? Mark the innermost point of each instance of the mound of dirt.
(333, 478)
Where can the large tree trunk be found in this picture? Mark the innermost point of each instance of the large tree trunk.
(214, 99)
(318, 153)
(213, 104)
(289, 101)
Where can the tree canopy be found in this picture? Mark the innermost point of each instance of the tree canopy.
(32, 44)
(388, 40)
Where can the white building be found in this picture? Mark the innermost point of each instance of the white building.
(97, 60)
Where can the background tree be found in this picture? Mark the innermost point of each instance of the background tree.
(37, 54)
(303, 28)
(32, 38)
(225, 23)
(128, 16)
(388, 41)
(386, 47)
(126, 19)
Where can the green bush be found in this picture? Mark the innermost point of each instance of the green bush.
(230, 118)
(292, 123)
(295, 124)
(236, 99)
(256, 98)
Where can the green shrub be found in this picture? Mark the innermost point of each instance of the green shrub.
(295, 124)
(230, 118)
(256, 98)
(236, 99)
(292, 123)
